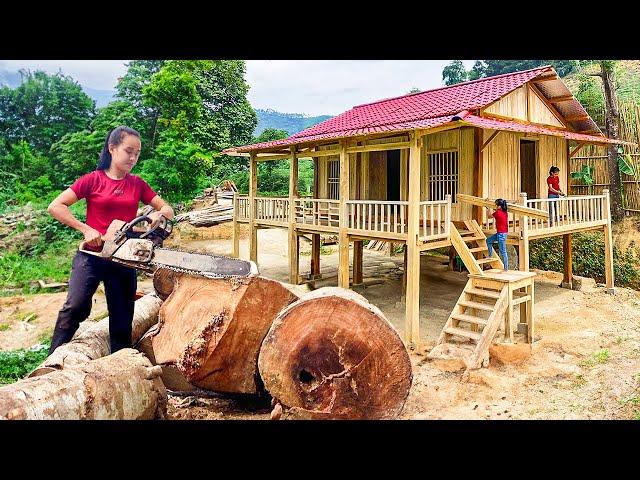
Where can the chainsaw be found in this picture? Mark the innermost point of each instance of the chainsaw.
(135, 246)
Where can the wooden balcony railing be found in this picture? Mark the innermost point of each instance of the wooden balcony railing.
(272, 210)
(435, 219)
(321, 213)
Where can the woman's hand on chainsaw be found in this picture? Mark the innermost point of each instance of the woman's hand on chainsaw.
(155, 217)
(92, 237)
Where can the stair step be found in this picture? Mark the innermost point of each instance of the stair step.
(469, 318)
(478, 305)
(478, 249)
(472, 239)
(482, 261)
(484, 293)
(463, 333)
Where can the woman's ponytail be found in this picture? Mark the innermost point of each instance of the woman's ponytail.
(502, 204)
(105, 155)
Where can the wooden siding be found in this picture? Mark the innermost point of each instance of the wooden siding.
(461, 139)
(514, 105)
(540, 113)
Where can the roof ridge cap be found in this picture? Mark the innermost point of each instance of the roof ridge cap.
(451, 86)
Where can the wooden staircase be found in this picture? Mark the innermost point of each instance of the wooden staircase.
(476, 318)
(470, 241)
(487, 300)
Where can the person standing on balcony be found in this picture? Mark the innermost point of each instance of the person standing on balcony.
(553, 184)
(502, 228)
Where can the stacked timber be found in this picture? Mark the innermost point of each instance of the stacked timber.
(207, 217)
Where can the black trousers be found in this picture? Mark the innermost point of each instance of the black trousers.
(87, 271)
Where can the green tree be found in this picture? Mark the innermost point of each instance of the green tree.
(490, 68)
(43, 108)
(454, 73)
(178, 167)
(77, 153)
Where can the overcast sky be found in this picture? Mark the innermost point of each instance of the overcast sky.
(312, 87)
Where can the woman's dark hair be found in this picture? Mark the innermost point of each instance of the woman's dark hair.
(502, 204)
(114, 137)
(553, 169)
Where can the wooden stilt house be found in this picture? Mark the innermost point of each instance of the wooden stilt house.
(393, 170)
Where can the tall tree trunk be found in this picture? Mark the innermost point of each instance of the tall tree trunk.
(612, 123)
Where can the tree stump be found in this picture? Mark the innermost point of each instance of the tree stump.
(91, 341)
(212, 329)
(122, 386)
(333, 355)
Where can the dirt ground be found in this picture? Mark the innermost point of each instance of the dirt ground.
(585, 362)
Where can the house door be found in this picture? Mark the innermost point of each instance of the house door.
(528, 174)
(393, 175)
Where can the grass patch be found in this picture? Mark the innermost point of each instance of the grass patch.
(4, 327)
(599, 357)
(16, 364)
(54, 265)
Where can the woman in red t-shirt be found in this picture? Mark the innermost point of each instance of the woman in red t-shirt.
(553, 185)
(502, 227)
(111, 193)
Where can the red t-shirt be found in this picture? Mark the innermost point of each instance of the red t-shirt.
(109, 199)
(554, 182)
(502, 221)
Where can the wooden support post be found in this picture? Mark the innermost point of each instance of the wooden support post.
(523, 244)
(253, 190)
(412, 321)
(608, 245)
(294, 242)
(508, 324)
(452, 257)
(478, 172)
(236, 228)
(357, 262)
(530, 311)
(343, 238)
(567, 280)
(404, 274)
(315, 255)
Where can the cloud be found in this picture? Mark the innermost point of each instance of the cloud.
(98, 74)
(316, 87)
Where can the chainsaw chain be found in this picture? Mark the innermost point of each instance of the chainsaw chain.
(234, 278)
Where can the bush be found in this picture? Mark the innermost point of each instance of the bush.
(17, 364)
(588, 258)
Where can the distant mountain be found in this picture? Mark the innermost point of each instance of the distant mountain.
(290, 122)
(102, 97)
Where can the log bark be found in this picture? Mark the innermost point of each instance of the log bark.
(91, 341)
(212, 329)
(333, 355)
(122, 386)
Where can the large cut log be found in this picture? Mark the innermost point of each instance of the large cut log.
(212, 329)
(92, 340)
(122, 386)
(333, 355)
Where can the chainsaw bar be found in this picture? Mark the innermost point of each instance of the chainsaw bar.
(212, 266)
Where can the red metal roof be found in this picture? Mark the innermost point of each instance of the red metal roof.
(426, 109)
